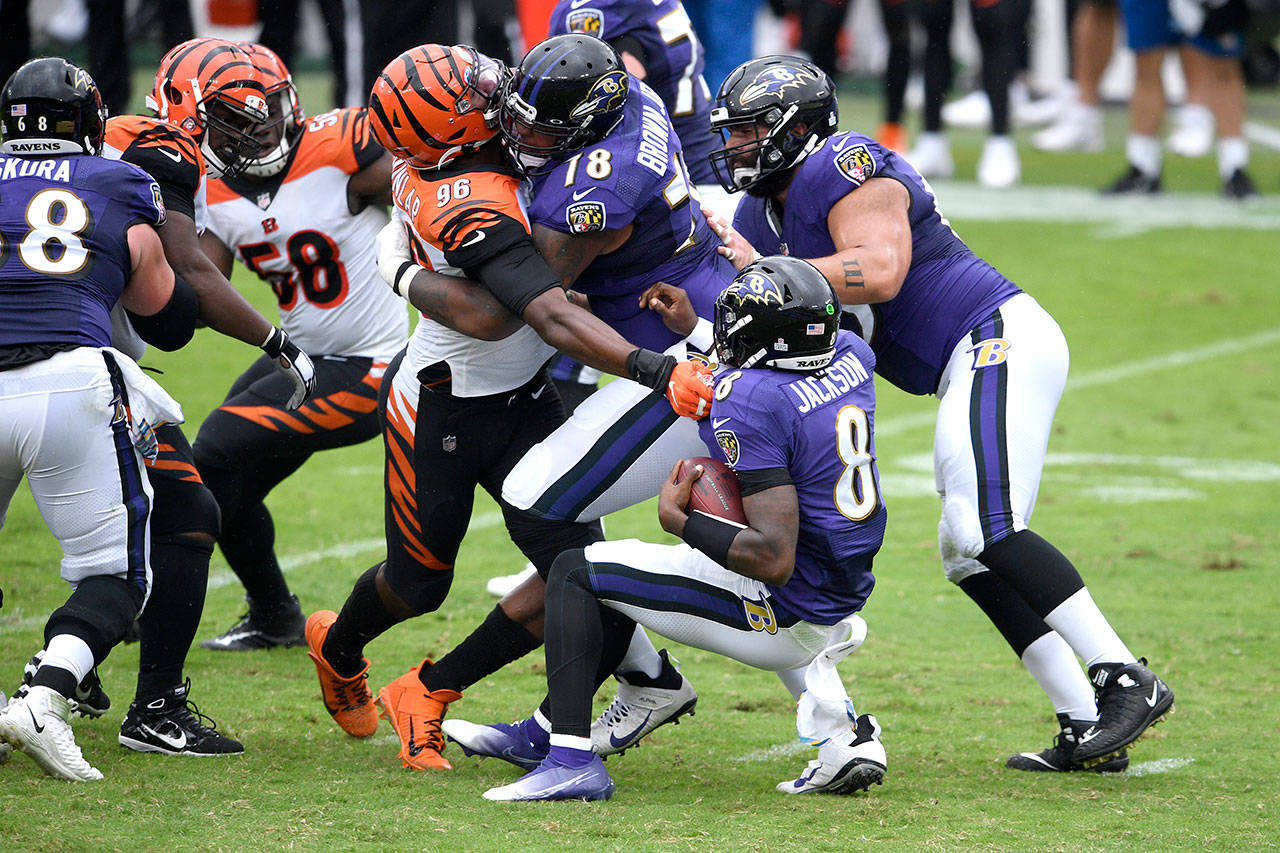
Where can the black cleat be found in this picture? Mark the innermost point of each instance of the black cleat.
(1130, 700)
(1239, 186)
(91, 700)
(1057, 758)
(172, 725)
(258, 629)
(1134, 182)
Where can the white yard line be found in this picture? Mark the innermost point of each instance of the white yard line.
(1160, 765)
(1262, 134)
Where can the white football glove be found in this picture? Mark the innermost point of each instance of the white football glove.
(293, 363)
(395, 263)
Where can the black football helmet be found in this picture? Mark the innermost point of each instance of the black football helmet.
(50, 106)
(790, 105)
(779, 312)
(568, 92)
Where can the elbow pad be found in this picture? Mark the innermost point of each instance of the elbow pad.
(172, 326)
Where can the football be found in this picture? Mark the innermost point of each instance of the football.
(716, 492)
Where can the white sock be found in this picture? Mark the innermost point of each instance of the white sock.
(540, 720)
(1145, 154)
(641, 656)
(1056, 669)
(1087, 631)
(71, 653)
(571, 742)
(1233, 153)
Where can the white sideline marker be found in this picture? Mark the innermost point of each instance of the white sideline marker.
(1160, 765)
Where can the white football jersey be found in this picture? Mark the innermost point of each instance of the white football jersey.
(448, 214)
(297, 233)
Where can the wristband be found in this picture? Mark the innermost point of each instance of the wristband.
(650, 369)
(710, 535)
(404, 278)
(702, 338)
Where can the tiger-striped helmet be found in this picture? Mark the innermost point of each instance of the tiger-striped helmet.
(285, 116)
(211, 88)
(435, 102)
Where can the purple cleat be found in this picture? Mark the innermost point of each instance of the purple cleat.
(508, 741)
(553, 781)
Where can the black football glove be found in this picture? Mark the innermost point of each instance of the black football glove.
(293, 363)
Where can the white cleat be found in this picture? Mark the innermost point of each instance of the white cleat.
(1192, 134)
(998, 166)
(499, 586)
(931, 156)
(844, 768)
(37, 725)
(1077, 129)
(637, 711)
(5, 749)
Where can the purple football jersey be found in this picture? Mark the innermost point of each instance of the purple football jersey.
(673, 63)
(819, 427)
(635, 176)
(948, 289)
(64, 255)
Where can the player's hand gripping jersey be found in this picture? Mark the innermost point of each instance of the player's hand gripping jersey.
(948, 290)
(635, 176)
(296, 231)
(661, 36)
(458, 220)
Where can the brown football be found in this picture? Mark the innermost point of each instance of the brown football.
(717, 491)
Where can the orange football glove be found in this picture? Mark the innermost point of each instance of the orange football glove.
(689, 390)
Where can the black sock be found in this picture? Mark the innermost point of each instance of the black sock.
(248, 543)
(1009, 612)
(575, 642)
(363, 618)
(1039, 572)
(498, 641)
(62, 681)
(618, 629)
(180, 576)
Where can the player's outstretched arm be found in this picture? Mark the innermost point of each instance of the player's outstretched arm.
(872, 235)
(764, 550)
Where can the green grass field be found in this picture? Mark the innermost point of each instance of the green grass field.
(1160, 485)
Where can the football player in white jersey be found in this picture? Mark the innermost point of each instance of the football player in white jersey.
(303, 214)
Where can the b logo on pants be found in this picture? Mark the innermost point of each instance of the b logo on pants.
(760, 615)
(990, 352)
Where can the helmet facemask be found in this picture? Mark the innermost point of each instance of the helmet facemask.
(283, 125)
(229, 126)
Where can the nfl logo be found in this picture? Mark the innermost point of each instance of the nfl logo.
(264, 200)
(449, 443)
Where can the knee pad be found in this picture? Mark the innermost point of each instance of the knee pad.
(183, 507)
(542, 540)
(959, 540)
(422, 590)
(99, 611)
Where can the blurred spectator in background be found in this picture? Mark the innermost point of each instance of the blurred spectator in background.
(727, 30)
(109, 50)
(15, 36)
(935, 17)
(1093, 38)
(280, 34)
(1214, 29)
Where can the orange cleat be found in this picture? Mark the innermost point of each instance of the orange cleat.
(347, 699)
(416, 713)
(892, 135)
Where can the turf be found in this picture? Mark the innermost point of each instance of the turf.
(1159, 485)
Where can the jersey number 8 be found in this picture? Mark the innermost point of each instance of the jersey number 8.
(57, 219)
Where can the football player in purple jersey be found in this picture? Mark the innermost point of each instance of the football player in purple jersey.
(77, 235)
(941, 321)
(793, 414)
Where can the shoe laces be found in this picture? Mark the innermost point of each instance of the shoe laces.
(187, 714)
(615, 713)
(350, 693)
(57, 727)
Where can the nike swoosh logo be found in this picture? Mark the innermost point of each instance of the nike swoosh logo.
(716, 422)
(536, 394)
(627, 738)
(177, 743)
(413, 748)
(476, 237)
(584, 193)
(172, 155)
(577, 3)
(1155, 688)
(1088, 736)
(35, 722)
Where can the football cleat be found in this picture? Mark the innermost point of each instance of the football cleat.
(1130, 700)
(1238, 185)
(415, 713)
(90, 699)
(1057, 758)
(931, 156)
(171, 724)
(1077, 129)
(637, 710)
(844, 768)
(508, 741)
(500, 585)
(999, 165)
(553, 781)
(282, 627)
(5, 749)
(37, 725)
(1134, 182)
(347, 700)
